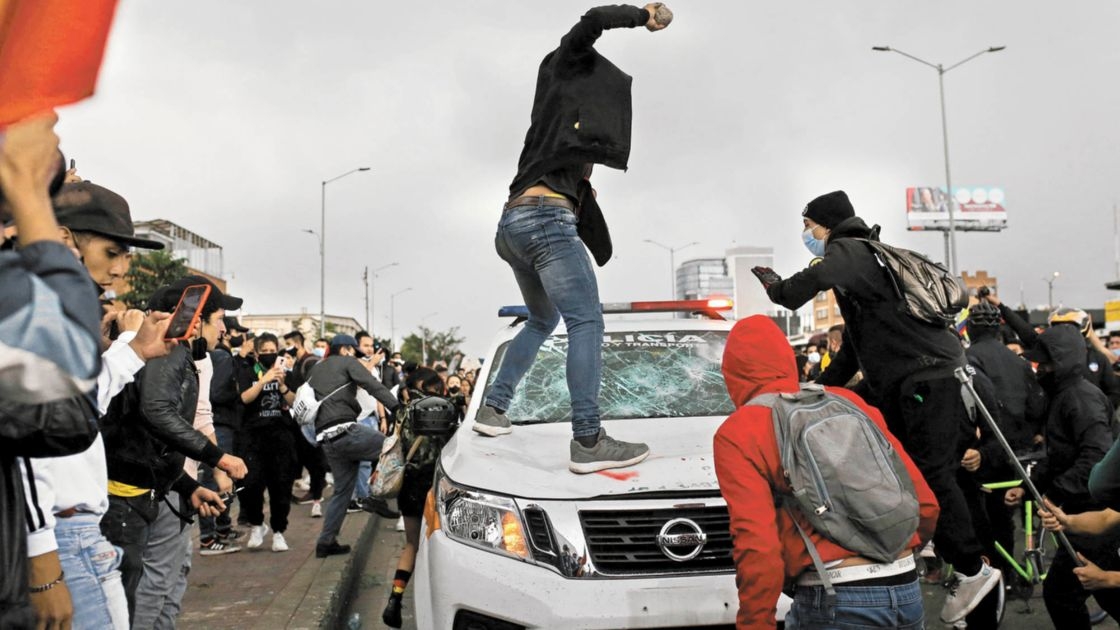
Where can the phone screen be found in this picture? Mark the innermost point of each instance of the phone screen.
(187, 312)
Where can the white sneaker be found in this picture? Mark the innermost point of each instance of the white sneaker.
(303, 485)
(278, 542)
(330, 479)
(928, 551)
(317, 509)
(400, 524)
(966, 592)
(256, 536)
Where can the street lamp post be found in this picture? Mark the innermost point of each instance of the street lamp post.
(319, 239)
(672, 263)
(951, 235)
(371, 293)
(393, 317)
(323, 249)
(1050, 289)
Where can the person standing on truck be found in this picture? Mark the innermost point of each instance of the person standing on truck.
(581, 117)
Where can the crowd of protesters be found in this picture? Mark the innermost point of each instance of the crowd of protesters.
(117, 439)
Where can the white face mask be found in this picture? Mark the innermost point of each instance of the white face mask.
(814, 357)
(319, 352)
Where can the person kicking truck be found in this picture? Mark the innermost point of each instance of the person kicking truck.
(581, 117)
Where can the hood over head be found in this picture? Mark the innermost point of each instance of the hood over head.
(1064, 347)
(758, 359)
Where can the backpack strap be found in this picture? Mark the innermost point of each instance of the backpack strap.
(818, 564)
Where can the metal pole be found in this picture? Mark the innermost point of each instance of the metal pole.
(948, 179)
(947, 254)
(672, 275)
(365, 278)
(323, 262)
(966, 380)
(393, 322)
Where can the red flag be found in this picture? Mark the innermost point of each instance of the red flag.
(50, 52)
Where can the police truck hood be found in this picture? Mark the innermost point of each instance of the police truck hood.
(532, 462)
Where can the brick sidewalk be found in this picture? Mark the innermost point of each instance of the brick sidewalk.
(263, 589)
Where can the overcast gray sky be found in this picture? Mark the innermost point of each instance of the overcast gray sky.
(225, 117)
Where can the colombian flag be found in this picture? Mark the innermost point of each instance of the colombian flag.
(50, 52)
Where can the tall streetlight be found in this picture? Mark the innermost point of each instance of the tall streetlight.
(672, 264)
(393, 317)
(323, 250)
(951, 235)
(319, 239)
(1049, 280)
(371, 293)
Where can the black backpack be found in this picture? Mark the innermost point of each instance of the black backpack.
(926, 290)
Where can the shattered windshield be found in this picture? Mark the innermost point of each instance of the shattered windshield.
(656, 374)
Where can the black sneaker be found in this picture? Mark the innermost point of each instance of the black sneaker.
(491, 422)
(355, 506)
(378, 507)
(333, 549)
(392, 614)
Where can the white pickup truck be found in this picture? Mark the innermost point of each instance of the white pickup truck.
(514, 540)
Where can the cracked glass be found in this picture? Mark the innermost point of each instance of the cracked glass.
(649, 374)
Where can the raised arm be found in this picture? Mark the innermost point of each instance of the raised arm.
(586, 32)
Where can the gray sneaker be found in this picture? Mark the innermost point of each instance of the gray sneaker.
(488, 421)
(966, 592)
(607, 453)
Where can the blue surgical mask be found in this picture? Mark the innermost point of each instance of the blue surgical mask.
(319, 352)
(815, 246)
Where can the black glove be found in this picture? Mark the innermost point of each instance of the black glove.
(766, 276)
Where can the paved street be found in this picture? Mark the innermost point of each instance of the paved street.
(262, 589)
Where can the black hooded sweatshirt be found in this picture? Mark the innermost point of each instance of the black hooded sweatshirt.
(1022, 403)
(879, 336)
(1078, 432)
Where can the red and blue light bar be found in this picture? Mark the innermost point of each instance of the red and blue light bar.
(711, 307)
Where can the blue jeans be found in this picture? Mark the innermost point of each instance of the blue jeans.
(365, 469)
(90, 563)
(857, 607)
(554, 273)
(359, 444)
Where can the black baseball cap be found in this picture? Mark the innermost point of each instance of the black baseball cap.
(233, 325)
(170, 295)
(87, 207)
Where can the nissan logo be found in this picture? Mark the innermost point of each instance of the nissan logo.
(681, 539)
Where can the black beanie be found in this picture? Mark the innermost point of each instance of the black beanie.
(829, 210)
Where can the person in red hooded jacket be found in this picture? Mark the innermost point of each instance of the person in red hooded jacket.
(768, 547)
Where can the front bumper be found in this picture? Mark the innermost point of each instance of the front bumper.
(451, 576)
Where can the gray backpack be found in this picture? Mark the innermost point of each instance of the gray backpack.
(846, 478)
(927, 291)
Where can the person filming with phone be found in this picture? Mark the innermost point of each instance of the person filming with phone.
(269, 435)
(149, 430)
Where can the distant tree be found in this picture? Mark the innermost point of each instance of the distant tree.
(441, 346)
(149, 271)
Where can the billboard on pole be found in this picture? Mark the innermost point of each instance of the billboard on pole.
(977, 208)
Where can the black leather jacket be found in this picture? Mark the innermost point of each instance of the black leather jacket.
(150, 425)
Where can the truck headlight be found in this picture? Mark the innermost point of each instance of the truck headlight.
(488, 521)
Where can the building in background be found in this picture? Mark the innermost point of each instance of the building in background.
(702, 278)
(972, 282)
(203, 256)
(826, 312)
(283, 323)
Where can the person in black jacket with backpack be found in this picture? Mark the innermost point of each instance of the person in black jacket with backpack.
(908, 367)
(581, 117)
